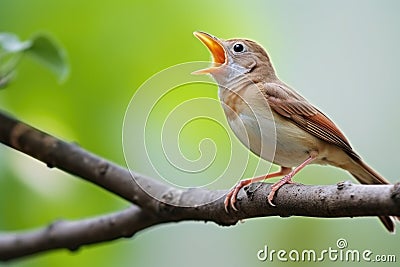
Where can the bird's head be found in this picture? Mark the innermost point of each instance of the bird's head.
(235, 57)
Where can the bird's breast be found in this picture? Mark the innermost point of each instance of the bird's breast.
(251, 119)
(267, 134)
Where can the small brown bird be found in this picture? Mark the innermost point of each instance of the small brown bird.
(274, 121)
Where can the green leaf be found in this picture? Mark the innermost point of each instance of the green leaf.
(50, 54)
(10, 43)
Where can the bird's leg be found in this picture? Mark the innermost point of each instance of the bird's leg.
(232, 195)
(287, 179)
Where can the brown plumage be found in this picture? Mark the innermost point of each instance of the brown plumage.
(255, 97)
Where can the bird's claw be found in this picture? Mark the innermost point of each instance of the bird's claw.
(231, 197)
(285, 180)
(270, 198)
(230, 200)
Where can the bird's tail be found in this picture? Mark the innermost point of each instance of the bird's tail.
(366, 175)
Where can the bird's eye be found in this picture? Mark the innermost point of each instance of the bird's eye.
(238, 48)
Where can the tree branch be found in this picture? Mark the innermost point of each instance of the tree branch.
(73, 234)
(342, 200)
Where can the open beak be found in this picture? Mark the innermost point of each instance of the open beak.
(217, 51)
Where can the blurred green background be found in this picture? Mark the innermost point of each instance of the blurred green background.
(342, 55)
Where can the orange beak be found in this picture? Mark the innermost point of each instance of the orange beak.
(217, 51)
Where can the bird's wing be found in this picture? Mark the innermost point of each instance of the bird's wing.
(291, 105)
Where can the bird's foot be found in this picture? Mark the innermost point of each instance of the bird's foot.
(287, 179)
(231, 197)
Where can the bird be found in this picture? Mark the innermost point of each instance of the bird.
(274, 121)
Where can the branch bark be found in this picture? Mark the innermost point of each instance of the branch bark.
(73, 234)
(341, 200)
